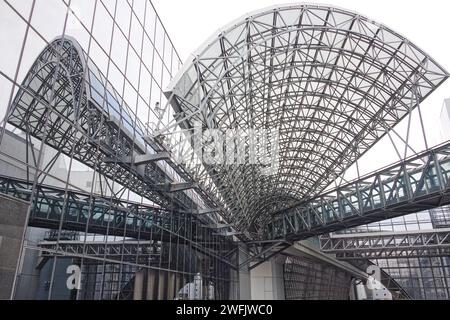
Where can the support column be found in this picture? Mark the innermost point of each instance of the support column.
(244, 280)
(138, 285)
(267, 280)
(151, 282)
(233, 292)
(278, 277)
(171, 286)
(162, 285)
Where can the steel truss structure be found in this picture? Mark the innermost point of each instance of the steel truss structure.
(333, 82)
(386, 245)
(139, 252)
(415, 184)
(80, 211)
(133, 209)
(66, 102)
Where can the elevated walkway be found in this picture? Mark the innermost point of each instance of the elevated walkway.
(415, 184)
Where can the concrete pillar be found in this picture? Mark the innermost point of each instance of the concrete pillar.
(234, 285)
(151, 283)
(244, 274)
(278, 277)
(138, 284)
(162, 285)
(171, 286)
(267, 281)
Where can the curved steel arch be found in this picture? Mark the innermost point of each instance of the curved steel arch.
(331, 62)
(66, 102)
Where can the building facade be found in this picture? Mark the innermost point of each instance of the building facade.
(104, 196)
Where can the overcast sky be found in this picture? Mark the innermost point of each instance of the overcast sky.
(426, 23)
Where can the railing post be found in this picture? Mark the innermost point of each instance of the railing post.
(340, 208)
(308, 217)
(360, 201)
(407, 182)
(439, 174)
(295, 220)
(382, 195)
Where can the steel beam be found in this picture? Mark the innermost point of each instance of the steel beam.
(140, 159)
(384, 245)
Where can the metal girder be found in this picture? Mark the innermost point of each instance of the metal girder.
(261, 253)
(89, 213)
(141, 159)
(385, 245)
(415, 184)
(220, 226)
(126, 251)
(138, 256)
(396, 253)
(97, 214)
(207, 211)
(331, 81)
(180, 186)
(137, 251)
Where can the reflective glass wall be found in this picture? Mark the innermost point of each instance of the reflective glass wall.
(110, 215)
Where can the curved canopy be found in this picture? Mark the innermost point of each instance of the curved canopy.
(331, 81)
(68, 103)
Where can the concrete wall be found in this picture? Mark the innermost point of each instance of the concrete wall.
(13, 214)
(244, 280)
(267, 281)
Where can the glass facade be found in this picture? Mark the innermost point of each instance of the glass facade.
(79, 97)
(97, 112)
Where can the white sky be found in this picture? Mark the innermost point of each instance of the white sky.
(425, 23)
